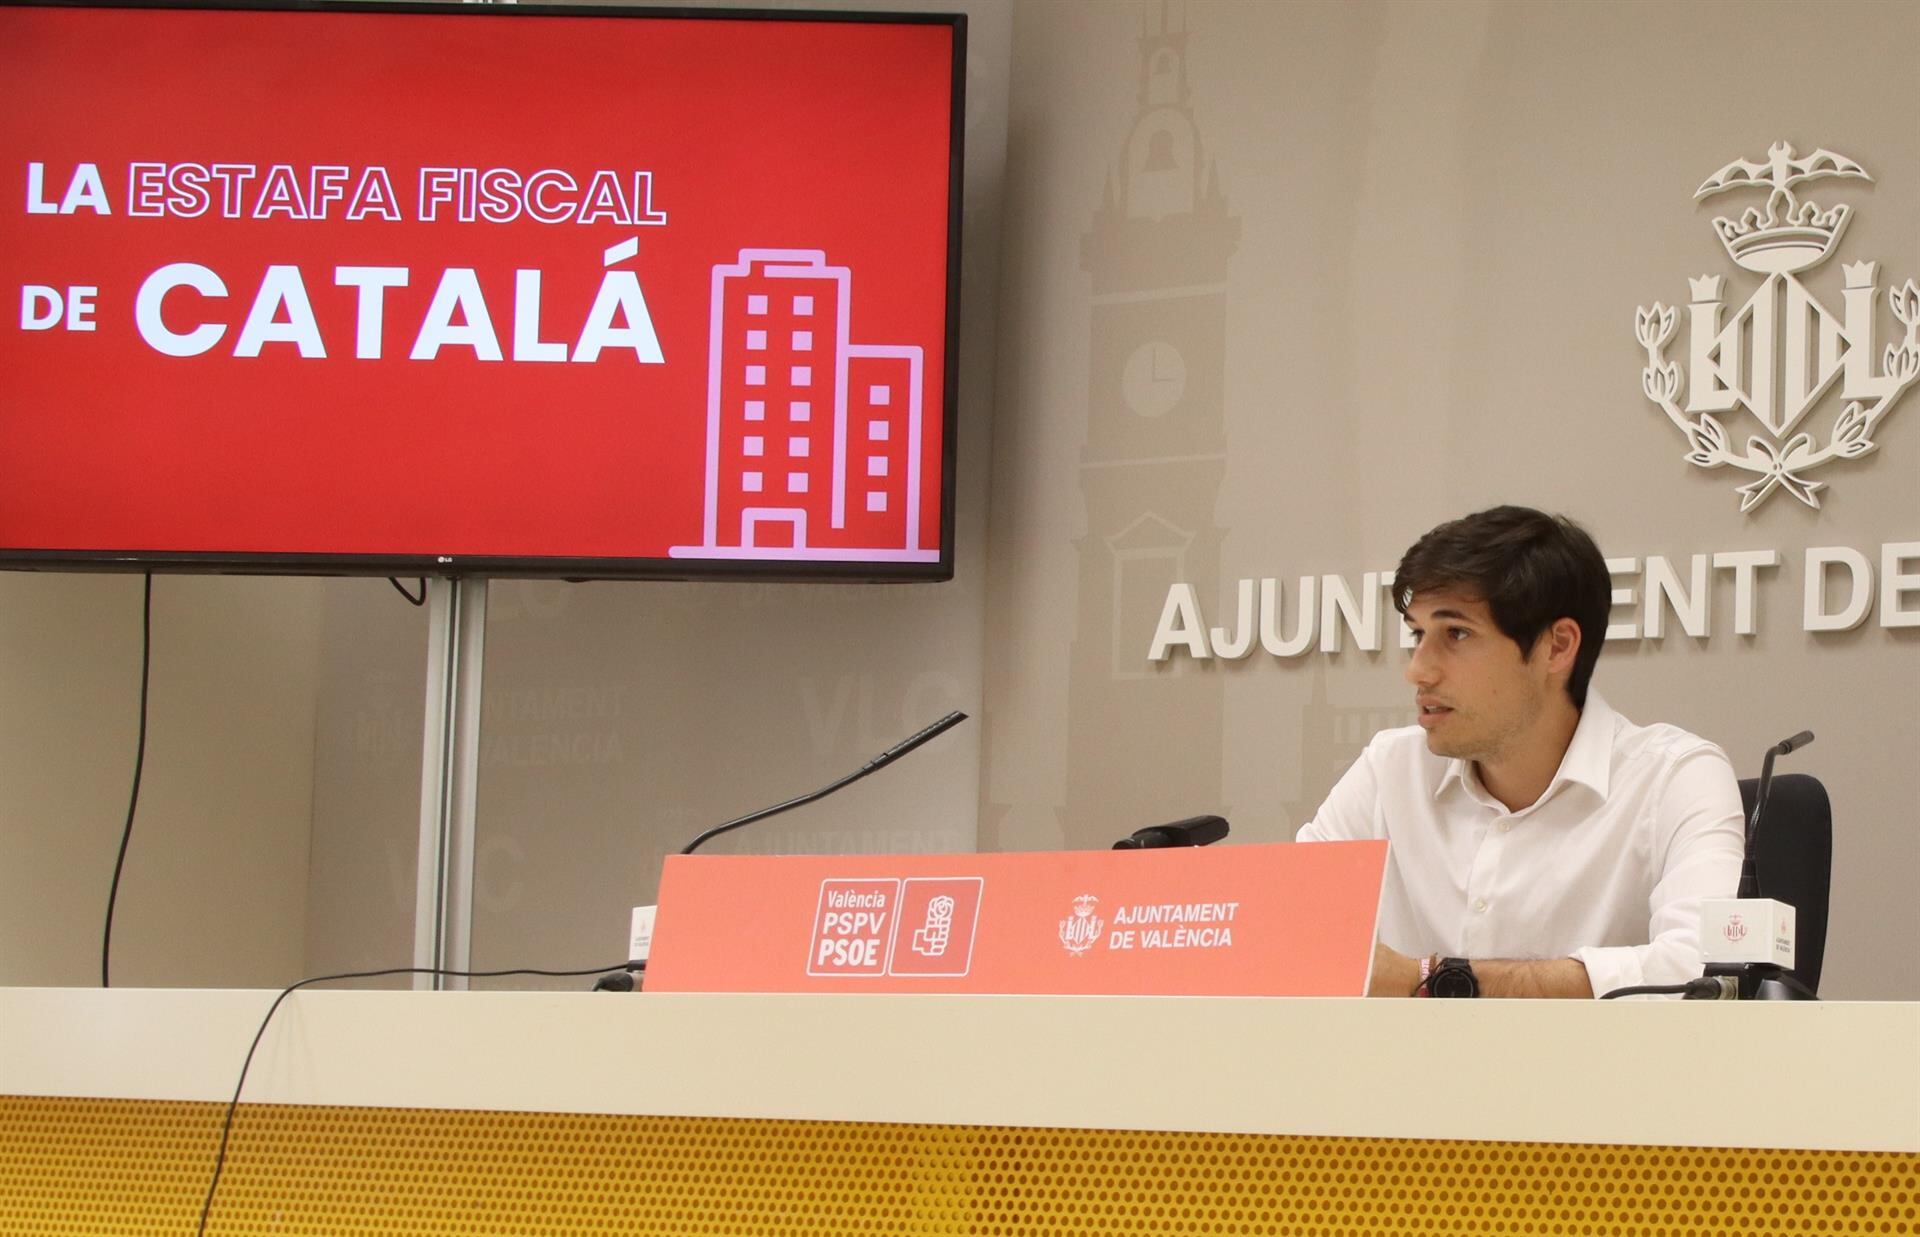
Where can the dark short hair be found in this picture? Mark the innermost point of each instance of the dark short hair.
(1532, 569)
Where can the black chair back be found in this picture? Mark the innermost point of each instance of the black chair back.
(1793, 860)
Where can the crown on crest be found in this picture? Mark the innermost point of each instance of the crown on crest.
(1791, 235)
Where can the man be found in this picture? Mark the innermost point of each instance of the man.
(1542, 844)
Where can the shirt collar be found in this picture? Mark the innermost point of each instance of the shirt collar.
(1588, 760)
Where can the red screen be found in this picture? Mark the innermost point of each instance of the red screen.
(648, 294)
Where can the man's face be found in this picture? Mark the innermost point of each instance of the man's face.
(1480, 695)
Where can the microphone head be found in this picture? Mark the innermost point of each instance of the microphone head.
(1794, 744)
(1193, 831)
(915, 740)
(1202, 830)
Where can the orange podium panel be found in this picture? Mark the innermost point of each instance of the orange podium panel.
(1266, 920)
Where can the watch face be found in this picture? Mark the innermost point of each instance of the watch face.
(1453, 978)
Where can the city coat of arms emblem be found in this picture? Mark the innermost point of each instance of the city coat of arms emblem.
(1080, 930)
(1782, 351)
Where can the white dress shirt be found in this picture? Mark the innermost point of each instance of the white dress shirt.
(1609, 866)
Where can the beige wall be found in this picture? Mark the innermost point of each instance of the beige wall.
(1438, 222)
(1408, 293)
(214, 892)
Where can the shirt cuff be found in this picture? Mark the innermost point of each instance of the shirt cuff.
(1611, 967)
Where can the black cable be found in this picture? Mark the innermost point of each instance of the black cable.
(421, 600)
(233, 1105)
(139, 764)
(1705, 986)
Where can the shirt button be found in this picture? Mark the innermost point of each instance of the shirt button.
(1479, 905)
(1505, 825)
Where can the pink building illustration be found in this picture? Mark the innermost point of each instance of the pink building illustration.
(813, 441)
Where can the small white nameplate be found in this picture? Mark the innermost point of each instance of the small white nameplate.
(1747, 930)
(640, 937)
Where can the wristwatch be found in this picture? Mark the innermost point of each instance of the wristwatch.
(1453, 977)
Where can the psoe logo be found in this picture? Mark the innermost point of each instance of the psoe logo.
(1080, 930)
(1735, 929)
(931, 938)
(1781, 352)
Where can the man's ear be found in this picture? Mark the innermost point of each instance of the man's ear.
(1561, 644)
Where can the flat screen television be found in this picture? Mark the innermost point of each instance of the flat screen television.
(541, 291)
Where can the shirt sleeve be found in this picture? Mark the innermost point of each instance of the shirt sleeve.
(1352, 810)
(1698, 841)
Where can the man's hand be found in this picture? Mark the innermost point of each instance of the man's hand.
(1394, 974)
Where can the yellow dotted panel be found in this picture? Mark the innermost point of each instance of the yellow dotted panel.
(127, 1168)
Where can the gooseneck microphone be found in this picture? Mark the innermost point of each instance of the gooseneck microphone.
(1749, 874)
(1753, 980)
(872, 766)
(623, 981)
(1193, 831)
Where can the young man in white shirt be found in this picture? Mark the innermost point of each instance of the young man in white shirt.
(1541, 844)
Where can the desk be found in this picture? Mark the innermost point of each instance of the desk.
(561, 1113)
